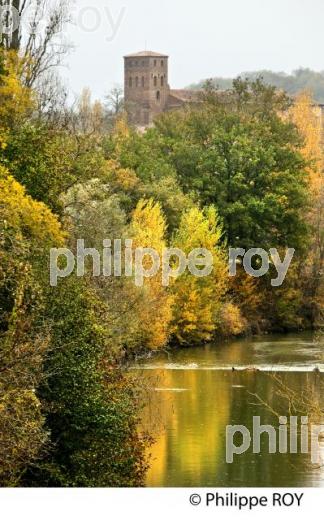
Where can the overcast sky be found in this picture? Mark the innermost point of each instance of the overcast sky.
(203, 38)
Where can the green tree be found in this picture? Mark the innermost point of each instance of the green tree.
(91, 407)
(144, 158)
(238, 153)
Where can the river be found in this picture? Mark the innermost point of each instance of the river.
(194, 394)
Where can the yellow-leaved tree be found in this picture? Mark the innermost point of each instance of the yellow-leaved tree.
(16, 100)
(148, 230)
(308, 118)
(27, 230)
(198, 300)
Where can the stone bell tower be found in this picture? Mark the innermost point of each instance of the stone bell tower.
(146, 86)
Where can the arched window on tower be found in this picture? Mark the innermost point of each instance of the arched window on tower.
(143, 81)
(162, 63)
(155, 81)
(162, 81)
(158, 96)
(136, 82)
(130, 82)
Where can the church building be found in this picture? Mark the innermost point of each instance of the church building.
(146, 88)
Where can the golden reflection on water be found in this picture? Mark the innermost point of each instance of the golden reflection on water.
(191, 420)
(190, 406)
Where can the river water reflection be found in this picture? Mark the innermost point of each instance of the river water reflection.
(195, 394)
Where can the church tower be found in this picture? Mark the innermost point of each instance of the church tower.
(146, 86)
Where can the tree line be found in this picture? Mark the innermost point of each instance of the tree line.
(298, 81)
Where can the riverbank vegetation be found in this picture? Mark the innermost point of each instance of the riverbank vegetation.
(237, 170)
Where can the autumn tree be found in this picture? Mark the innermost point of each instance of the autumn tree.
(148, 230)
(68, 414)
(198, 300)
(305, 116)
(27, 229)
(16, 100)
